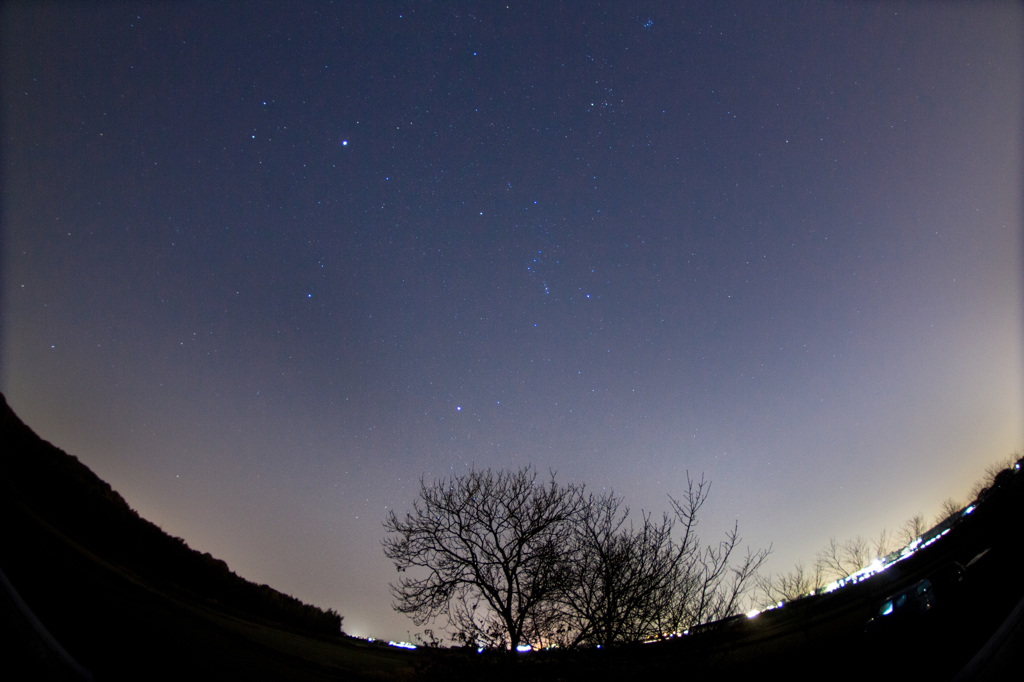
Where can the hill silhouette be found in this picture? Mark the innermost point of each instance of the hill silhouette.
(66, 494)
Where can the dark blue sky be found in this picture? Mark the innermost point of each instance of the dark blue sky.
(265, 266)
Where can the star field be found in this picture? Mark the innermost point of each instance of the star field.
(264, 268)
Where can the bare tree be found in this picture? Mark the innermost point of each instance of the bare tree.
(507, 560)
(997, 467)
(708, 585)
(842, 560)
(948, 508)
(883, 544)
(620, 577)
(787, 587)
(857, 553)
(630, 583)
(912, 529)
(978, 490)
(484, 549)
(835, 560)
(722, 585)
(991, 471)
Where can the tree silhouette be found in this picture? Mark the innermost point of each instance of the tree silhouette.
(912, 529)
(488, 540)
(843, 559)
(947, 510)
(789, 586)
(508, 560)
(619, 578)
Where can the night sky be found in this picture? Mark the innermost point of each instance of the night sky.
(266, 265)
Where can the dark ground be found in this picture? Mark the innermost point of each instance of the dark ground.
(113, 623)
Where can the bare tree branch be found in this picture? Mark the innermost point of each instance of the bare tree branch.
(841, 560)
(883, 544)
(508, 560)
(618, 574)
(948, 508)
(912, 529)
(484, 551)
(799, 582)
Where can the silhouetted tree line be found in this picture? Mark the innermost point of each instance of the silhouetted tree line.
(507, 559)
(69, 496)
(839, 560)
